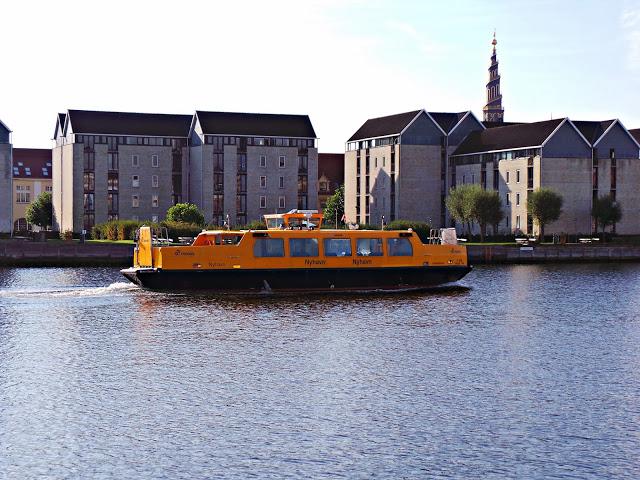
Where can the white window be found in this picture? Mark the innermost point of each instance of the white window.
(263, 201)
(263, 181)
(135, 201)
(518, 222)
(517, 199)
(517, 176)
(263, 160)
(508, 199)
(281, 202)
(135, 160)
(282, 161)
(135, 181)
(154, 218)
(281, 182)
(507, 179)
(48, 188)
(154, 200)
(154, 161)
(154, 180)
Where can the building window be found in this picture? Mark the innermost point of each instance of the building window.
(112, 160)
(518, 222)
(135, 201)
(281, 202)
(517, 176)
(517, 199)
(263, 160)
(23, 194)
(154, 180)
(154, 161)
(507, 178)
(383, 161)
(154, 200)
(135, 160)
(263, 201)
(263, 181)
(48, 188)
(508, 199)
(135, 181)
(154, 218)
(464, 179)
(282, 161)
(281, 182)
(473, 178)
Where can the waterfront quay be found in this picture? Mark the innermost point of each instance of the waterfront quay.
(71, 254)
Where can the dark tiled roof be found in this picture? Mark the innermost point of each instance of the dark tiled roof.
(331, 165)
(635, 133)
(511, 136)
(500, 124)
(447, 120)
(32, 163)
(268, 125)
(60, 124)
(125, 123)
(383, 126)
(592, 131)
(2, 124)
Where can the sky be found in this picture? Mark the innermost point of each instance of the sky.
(338, 61)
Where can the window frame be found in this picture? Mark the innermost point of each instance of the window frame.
(325, 242)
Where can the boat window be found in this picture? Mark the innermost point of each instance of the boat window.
(337, 247)
(268, 247)
(399, 247)
(274, 223)
(303, 247)
(369, 247)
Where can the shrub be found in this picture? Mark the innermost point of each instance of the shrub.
(180, 229)
(423, 229)
(255, 225)
(66, 235)
(367, 226)
(185, 213)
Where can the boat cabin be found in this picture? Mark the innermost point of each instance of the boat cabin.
(294, 220)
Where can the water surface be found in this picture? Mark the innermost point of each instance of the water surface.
(517, 372)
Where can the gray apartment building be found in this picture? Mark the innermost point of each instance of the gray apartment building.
(115, 165)
(6, 177)
(398, 166)
(580, 160)
(244, 165)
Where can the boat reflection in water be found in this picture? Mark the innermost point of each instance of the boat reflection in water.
(294, 255)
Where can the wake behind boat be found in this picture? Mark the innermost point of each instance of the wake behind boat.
(294, 254)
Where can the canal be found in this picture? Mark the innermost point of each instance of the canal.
(516, 372)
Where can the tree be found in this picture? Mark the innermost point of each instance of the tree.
(185, 213)
(606, 211)
(461, 203)
(545, 206)
(334, 210)
(487, 209)
(40, 212)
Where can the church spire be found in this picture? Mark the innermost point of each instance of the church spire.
(493, 111)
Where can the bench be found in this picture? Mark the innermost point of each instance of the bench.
(588, 240)
(525, 240)
(185, 240)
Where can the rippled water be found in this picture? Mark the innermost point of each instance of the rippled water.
(519, 372)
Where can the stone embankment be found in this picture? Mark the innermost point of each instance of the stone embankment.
(57, 254)
(496, 254)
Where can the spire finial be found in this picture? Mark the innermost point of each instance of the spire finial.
(494, 42)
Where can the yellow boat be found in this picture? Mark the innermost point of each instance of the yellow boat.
(294, 254)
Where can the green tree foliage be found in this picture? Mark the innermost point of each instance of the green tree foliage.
(334, 210)
(422, 229)
(606, 212)
(486, 209)
(545, 206)
(185, 213)
(40, 212)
